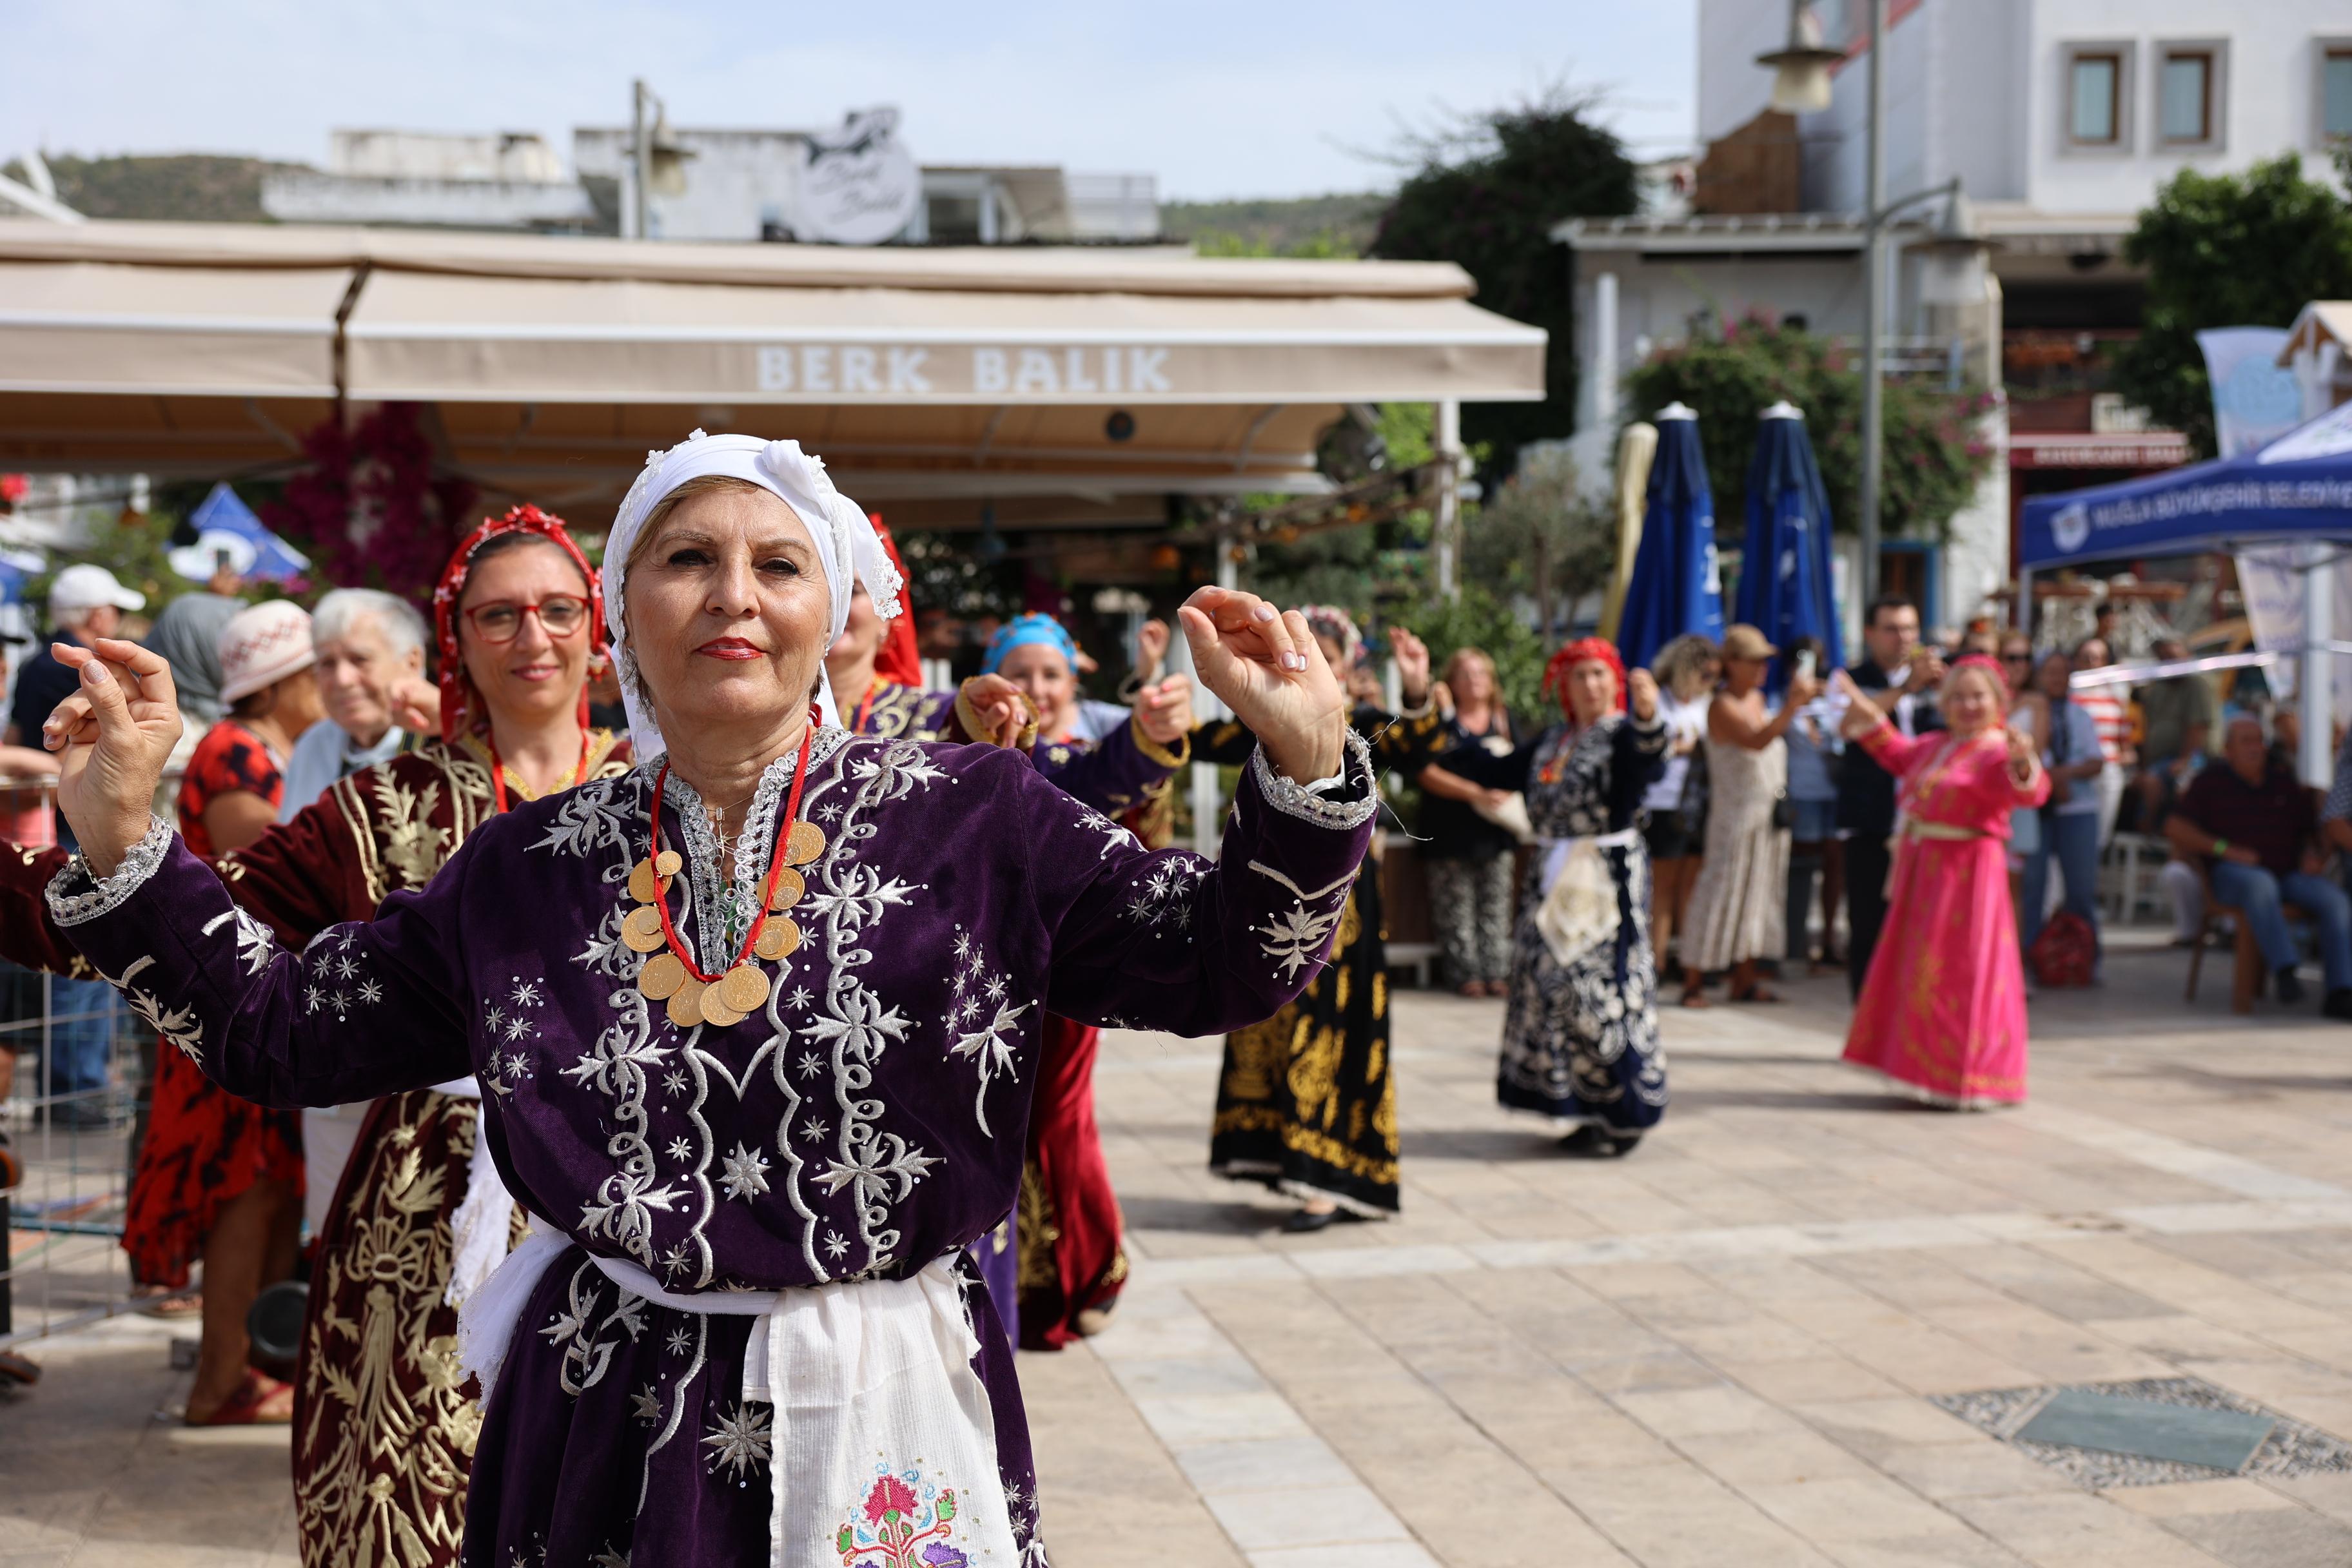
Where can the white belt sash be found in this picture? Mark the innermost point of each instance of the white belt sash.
(1579, 897)
(868, 1380)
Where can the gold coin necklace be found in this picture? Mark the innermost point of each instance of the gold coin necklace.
(669, 975)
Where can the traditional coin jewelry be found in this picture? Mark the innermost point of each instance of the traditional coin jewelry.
(669, 975)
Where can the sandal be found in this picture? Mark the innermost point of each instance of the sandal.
(1697, 998)
(171, 1305)
(259, 1401)
(1756, 992)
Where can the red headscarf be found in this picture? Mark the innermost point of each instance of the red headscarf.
(900, 659)
(1555, 672)
(460, 703)
(1985, 662)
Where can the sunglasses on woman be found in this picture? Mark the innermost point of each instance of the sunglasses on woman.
(560, 615)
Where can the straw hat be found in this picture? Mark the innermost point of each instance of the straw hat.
(262, 645)
(1744, 641)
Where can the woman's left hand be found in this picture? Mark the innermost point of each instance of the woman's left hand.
(1411, 657)
(416, 707)
(1264, 664)
(1165, 712)
(1641, 694)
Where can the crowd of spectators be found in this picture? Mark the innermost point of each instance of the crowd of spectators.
(1768, 833)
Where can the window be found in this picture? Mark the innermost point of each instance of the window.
(2335, 93)
(2095, 90)
(2185, 96)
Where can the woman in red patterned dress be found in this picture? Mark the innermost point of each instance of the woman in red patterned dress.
(220, 1177)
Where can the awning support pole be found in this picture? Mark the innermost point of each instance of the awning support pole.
(1208, 822)
(2317, 759)
(1446, 537)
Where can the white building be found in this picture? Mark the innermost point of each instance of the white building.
(2050, 110)
(738, 184)
(2060, 118)
(508, 180)
(746, 184)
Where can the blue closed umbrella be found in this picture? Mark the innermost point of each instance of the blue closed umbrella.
(1785, 588)
(1676, 585)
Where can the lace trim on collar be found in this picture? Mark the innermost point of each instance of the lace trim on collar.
(726, 884)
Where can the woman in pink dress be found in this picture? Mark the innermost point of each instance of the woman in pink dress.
(1943, 1013)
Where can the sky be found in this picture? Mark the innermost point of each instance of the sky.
(1218, 98)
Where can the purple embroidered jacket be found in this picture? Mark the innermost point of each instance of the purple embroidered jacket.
(868, 1120)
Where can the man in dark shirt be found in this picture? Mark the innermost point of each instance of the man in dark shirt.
(1893, 660)
(85, 602)
(2254, 821)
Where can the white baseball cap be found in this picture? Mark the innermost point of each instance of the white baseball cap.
(85, 587)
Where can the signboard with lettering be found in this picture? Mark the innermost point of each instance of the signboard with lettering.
(1112, 370)
(859, 184)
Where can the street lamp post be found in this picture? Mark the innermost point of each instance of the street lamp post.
(1874, 303)
(1801, 86)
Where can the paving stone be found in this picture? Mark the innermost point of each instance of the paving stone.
(2266, 1538)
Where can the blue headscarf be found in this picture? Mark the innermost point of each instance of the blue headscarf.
(1020, 632)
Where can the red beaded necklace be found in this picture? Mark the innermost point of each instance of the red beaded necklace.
(775, 866)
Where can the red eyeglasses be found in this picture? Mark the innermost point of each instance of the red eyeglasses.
(560, 615)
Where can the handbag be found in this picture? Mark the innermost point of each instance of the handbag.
(1784, 811)
(2066, 953)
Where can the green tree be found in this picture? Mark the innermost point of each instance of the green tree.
(1486, 194)
(1934, 458)
(1540, 536)
(1480, 620)
(2226, 250)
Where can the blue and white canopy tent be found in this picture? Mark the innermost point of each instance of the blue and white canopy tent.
(2296, 490)
(226, 530)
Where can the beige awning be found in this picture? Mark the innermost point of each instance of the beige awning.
(555, 363)
(439, 338)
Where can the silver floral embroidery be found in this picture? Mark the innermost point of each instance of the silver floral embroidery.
(177, 1025)
(1164, 897)
(1298, 936)
(587, 1351)
(739, 1439)
(255, 946)
(981, 1040)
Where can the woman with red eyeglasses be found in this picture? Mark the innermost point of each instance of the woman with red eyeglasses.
(384, 1425)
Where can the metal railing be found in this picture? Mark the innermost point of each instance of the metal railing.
(75, 1069)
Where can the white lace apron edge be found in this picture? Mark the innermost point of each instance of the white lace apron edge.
(1579, 910)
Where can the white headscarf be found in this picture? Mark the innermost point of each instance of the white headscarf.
(846, 546)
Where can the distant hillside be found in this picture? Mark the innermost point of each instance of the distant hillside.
(201, 187)
(1331, 225)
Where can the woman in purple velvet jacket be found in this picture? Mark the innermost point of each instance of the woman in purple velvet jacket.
(757, 1028)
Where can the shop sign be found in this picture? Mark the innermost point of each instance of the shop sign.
(986, 370)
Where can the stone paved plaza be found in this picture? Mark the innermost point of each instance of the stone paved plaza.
(1726, 1350)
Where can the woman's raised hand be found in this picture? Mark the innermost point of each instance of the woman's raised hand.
(1861, 715)
(111, 739)
(1641, 694)
(1411, 657)
(416, 706)
(1264, 664)
(1150, 649)
(1002, 711)
(1163, 711)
